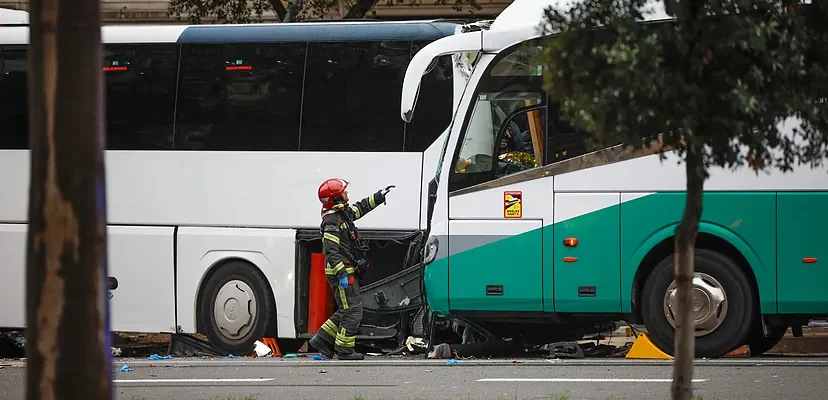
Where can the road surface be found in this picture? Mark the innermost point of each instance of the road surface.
(283, 379)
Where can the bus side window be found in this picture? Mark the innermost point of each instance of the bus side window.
(140, 95)
(563, 140)
(352, 96)
(14, 105)
(521, 143)
(498, 138)
(240, 97)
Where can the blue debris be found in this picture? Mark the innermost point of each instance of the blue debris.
(319, 358)
(156, 357)
(204, 357)
(126, 368)
(290, 355)
(228, 356)
(452, 362)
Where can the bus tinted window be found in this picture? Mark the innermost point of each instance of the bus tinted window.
(352, 96)
(240, 97)
(140, 95)
(435, 104)
(14, 118)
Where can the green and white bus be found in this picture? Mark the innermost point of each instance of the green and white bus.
(556, 240)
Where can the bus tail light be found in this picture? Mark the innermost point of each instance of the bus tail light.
(571, 242)
(809, 260)
(570, 259)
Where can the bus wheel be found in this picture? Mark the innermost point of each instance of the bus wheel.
(722, 305)
(235, 307)
(759, 344)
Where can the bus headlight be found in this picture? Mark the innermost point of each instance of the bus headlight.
(431, 249)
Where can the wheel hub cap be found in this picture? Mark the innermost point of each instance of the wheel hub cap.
(708, 305)
(235, 309)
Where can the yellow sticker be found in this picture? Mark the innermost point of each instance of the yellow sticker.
(512, 204)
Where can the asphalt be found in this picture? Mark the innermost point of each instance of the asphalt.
(283, 379)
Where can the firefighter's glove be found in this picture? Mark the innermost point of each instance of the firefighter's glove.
(343, 281)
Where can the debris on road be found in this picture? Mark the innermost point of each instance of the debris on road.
(262, 350)
(156, 357)
(125, 368)
(440, 351)
(568, 350)
(412, 342)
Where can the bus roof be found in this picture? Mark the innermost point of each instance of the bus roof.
(261, 33)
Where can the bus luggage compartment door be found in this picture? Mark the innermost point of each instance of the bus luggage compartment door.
(496, 265)
(396, 293)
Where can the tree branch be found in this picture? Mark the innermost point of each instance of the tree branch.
(279, 9)
(360, 8)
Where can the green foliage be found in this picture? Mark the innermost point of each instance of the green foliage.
(720, 76)
(224, 11)
(251, 11)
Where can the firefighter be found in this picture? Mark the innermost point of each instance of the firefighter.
(345, 263)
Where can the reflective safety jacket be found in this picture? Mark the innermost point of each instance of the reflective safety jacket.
(339, 235)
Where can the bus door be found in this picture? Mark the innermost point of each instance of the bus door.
(496, 214)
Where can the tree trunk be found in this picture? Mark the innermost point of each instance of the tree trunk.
(66, 308)
(292, 10)
(685, 240)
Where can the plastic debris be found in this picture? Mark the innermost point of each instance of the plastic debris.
(228, 356)
(411, 342)
(323, 371)
(374, 354)
(319, 358)
(452, 362)
(204, 357)
(116, 352)
(291, 355)
(440, 351)
(125, 368)
(262, 350)
(156, 357)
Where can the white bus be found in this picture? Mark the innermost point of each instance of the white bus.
(551, 239)
(217, 139)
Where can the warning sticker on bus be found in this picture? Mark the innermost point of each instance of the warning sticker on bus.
(512, 204)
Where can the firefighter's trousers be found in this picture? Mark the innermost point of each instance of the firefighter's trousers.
(341, 328)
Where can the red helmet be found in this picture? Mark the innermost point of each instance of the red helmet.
(330, 190)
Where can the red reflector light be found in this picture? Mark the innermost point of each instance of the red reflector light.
(238, 68)
(571, 242)
(570, 259)
(809, 260)
(114, 68)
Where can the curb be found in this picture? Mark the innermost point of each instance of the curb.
(810, 345)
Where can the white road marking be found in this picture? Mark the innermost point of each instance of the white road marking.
(191, 380)
(590, 380)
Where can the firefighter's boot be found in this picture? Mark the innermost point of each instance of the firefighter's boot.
(348, 354)
(322, 346)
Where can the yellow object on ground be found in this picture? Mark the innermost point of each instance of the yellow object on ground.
(643, 348)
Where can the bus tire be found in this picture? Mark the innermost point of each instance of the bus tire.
(724, 330)
(759, 344)
(235, 307)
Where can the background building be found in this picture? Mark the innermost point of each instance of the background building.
(155, 11)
